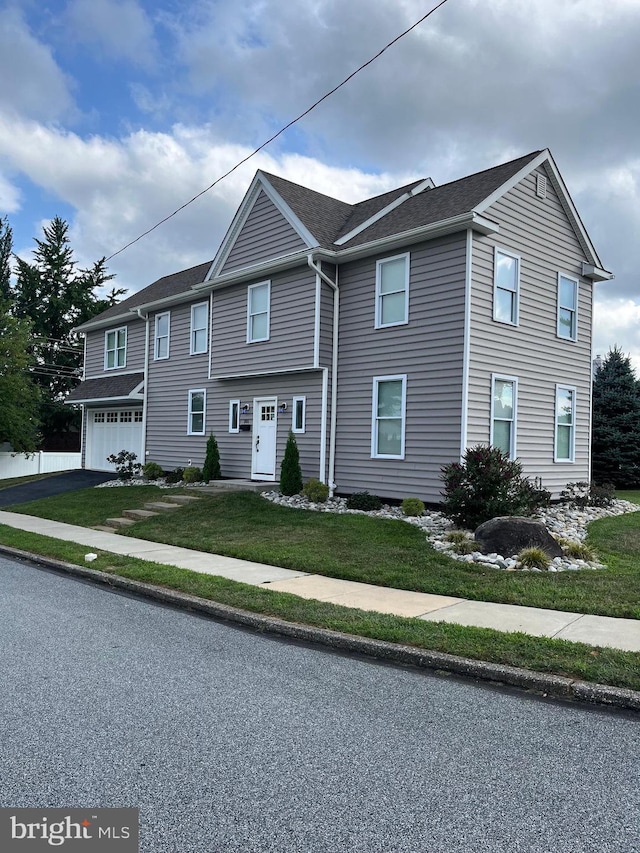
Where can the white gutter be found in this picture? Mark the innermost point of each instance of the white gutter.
(466, 347)
(334, 381)
(146, 384)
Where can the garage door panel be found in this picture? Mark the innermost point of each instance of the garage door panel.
(108, 432)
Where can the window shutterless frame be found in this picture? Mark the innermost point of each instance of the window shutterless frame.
(568, 289)
(299, 414)
(504, 414)
(392, 291)
(234, 415)
(258, 312)
(161, 337)
(199, 324)
(115, 348)
(565, 424)
(197, 412)
(388, 416)
(506, 287)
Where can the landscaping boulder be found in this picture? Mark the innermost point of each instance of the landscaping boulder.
(508, 535)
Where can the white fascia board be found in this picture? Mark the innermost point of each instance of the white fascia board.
(288, 214)
(563, 194)
(596, 273)
(256, 373)
(106, 400)
(256, 271)
(427, 184)
(92, 325)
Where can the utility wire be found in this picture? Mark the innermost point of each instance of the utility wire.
(280, 132)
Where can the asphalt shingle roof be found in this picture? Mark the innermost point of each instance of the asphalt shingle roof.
(106, 387)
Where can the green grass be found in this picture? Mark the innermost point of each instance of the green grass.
(361, 548)
(576, 660)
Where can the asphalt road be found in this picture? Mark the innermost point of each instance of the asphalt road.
(232, 741)
(57, 484)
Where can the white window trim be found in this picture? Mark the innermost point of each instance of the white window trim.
(500, 377)
(250, 290)
(193, 391)
(576, 283)
(303, 427)
(193, 351)
(572, 458)
(379, 264)
(106, 350)
(374, 416)
(497, 250)
(156, 338)
(233, 403)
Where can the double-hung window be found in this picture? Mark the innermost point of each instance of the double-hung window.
(388, 417)
(504, 401)
(506, 287)
(115, 348)
(258, 307)
(197, 402)
(392, 291)
(161, 349)
(567, 307)
(199, 323)
(298, 415)
(565, 423)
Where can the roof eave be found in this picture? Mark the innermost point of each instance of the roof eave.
(127, 398)
(596, 273)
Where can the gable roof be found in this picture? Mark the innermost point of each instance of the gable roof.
(120, 387)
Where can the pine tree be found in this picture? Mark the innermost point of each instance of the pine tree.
(290, 473)
(211, 469)
(615, 448)
(19, 412)
(6, 250)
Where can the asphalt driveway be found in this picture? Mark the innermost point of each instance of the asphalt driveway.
(57, 484)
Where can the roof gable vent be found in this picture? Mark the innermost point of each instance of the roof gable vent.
(541, 186)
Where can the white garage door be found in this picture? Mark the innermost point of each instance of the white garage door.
(109, 431)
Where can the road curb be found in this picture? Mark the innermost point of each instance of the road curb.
(549, 685)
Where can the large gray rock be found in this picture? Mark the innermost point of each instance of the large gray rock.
(508, 535)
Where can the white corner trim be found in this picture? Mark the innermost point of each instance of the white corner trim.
(466, 346)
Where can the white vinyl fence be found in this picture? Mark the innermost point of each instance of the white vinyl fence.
(22, 464)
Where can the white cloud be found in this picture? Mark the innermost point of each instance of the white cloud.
(33, 84)
(9, 197)
(617, 322)
(120, 28)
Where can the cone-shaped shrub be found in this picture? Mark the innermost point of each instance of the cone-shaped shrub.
(290, 473)
(211, 469)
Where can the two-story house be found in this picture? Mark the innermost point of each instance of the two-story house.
(389, 335)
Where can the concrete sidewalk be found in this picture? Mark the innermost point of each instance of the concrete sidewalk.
(594, 630)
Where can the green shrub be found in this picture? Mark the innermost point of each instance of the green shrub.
(364, 501)
(583, 494)
(578, 550)
(192, 474)
(211, 468)
(290, 473)
(125, 464)
(466, 546)
(315, 491)
(487, 484)
(174, 476)
(534, 558)
(602, 494)
(152, 471)
(457, 536)
(412, 506)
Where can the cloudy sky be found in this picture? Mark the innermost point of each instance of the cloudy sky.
(115, 112)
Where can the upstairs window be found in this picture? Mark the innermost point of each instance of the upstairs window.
(567, 307)
(195, 425)
(506, 287)
(392, 291)
(565, 424)
(503, 414)
(115, 348)
(388, 422)
(199, 323)
(258, 307)
(161, 349)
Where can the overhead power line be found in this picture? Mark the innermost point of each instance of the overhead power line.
(280, 132)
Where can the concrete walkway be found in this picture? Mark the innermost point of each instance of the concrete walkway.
(594, 630)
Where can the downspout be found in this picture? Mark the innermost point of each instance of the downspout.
(466, 347)
(145, 317)
(334, 374)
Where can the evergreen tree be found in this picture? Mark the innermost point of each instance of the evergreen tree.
(615, 448)
(290, 473)
(6, 250)
(19, 413)
(211, 469)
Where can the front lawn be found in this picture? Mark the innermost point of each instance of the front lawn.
(362, 548)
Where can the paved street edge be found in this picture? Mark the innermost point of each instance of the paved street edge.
(556, 686)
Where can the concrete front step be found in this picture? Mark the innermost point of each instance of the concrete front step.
(181, 499)
(215, 487)
(120, 522)
(138, 514)
(161, 506)
(104, 529)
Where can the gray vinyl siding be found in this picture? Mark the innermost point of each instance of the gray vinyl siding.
(170, 446)
(429, 350)
(170, 381)
(539, 231)
(291, 327)
(94, 359)
(265, 234)
(326, 320)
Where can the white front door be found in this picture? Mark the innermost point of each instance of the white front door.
(263, 454)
